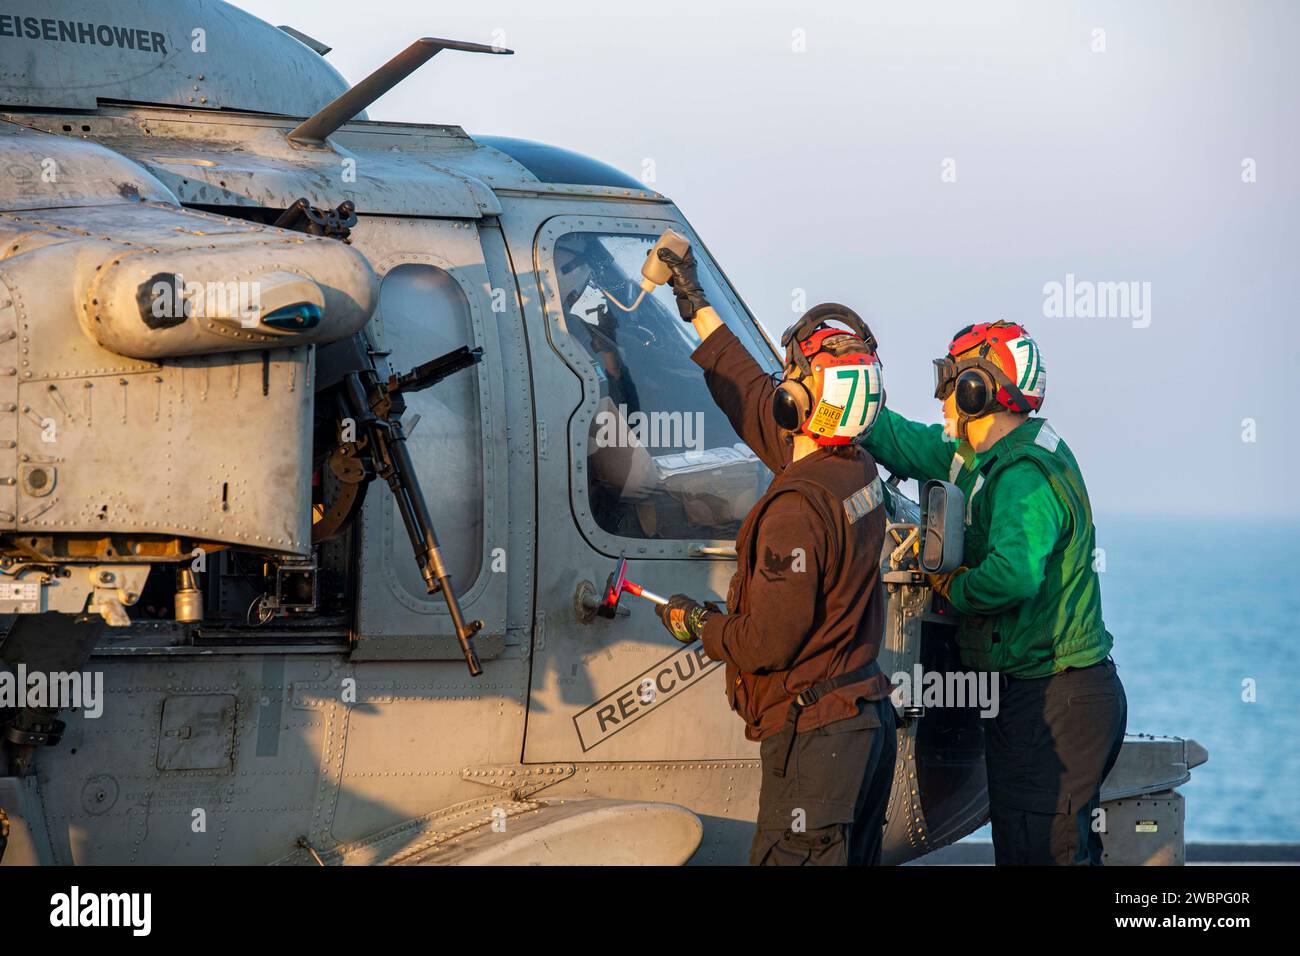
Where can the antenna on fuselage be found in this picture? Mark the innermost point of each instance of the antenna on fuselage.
(314, 130)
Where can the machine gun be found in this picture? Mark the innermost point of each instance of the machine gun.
(369, 442)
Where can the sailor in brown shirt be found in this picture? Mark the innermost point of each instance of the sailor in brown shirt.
(805, 610)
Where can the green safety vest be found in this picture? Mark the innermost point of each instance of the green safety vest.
(1061, 625)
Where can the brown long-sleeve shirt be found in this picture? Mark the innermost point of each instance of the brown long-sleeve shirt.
(806, 603)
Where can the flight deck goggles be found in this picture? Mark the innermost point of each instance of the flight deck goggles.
(945, 377)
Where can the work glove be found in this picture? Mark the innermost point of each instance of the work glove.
(684, 617)
(942, 583)
(685, 282)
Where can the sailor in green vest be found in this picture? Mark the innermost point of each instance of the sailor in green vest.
(1028, 594)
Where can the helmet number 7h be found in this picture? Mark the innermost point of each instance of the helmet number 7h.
(849, 401)
(854, 374)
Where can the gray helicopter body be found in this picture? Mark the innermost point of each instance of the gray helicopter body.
(306, 699)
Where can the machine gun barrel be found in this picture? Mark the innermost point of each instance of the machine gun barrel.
(435, 370)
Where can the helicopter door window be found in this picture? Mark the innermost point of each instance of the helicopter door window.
(425, 313)
(662, 460)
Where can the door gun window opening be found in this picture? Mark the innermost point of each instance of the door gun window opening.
(425, 313)
(662, 460)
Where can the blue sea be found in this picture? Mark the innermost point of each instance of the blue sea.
(1200, 606)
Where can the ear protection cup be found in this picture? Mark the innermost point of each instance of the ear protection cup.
(975, 393)
(975, 385)
(978, 383)
(792, 403)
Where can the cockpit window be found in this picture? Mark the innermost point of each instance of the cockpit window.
(662, 460)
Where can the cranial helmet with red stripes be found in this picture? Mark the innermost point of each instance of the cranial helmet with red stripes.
(832, 390)
(990, 367)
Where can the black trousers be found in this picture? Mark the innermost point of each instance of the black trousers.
(1047, 751)
(829, 808)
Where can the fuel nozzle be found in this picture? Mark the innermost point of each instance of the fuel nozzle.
(655, 272)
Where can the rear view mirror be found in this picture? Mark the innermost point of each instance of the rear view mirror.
(943, 509)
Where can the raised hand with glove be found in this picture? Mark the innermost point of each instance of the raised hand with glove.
(685, 282)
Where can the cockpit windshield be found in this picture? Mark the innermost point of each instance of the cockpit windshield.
(662, 460)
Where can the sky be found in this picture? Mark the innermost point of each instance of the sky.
(934, 164)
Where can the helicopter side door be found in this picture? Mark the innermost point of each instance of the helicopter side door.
(650, 470)
(438, 292)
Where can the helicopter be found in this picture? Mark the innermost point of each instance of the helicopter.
(230, 303)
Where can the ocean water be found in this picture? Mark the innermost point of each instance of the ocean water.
(1202, 609)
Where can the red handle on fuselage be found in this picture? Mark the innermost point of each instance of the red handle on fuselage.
(617, 584)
